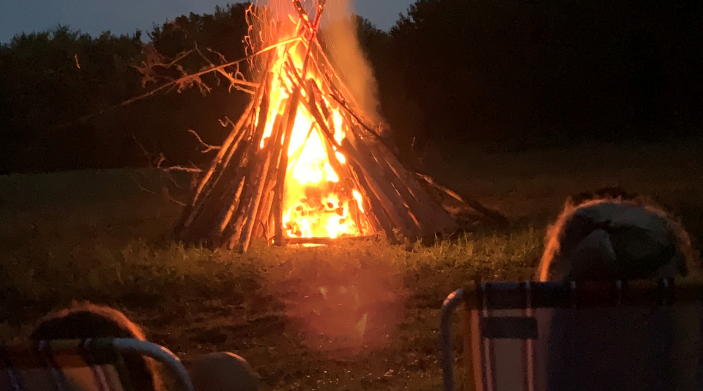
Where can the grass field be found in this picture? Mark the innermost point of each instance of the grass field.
(297, 314)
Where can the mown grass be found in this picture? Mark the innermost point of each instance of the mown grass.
(100, 236)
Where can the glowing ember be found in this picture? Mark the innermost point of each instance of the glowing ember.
(315, 202)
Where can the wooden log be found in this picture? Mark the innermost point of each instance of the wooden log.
(356, 215)
(258, 181)
(263, 110)
(328, 241)
(226, 145)
(236, 130)
(376, 214)
(243, 136)
(201, 230)
(235, 231)
(444, 220)
(198, 198)
(219, 229)
(233, 200)
(311, 27)
(264, 212)
(196, 225)
(235, 219)
(492, 215)
(283, 164)
(430, 215)
(221, 163)
(411, 182)
(238, 151)
(259, 133)
(420, 215)
(380, 215)
(388, 197)
(241, 230)
(258, 194)
(276, 203)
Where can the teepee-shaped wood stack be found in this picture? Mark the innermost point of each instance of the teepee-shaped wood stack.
(301, 105)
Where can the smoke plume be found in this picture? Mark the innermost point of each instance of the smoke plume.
(339, 32)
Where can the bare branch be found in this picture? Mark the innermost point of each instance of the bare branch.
(226, 122)
(167, 194)
(175, 200)
(177, 84)
(162, 159)
(170, 178)
(181, 168)
(140, 185)
(208, 147)
(146, 153)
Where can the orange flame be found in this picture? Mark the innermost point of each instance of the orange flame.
(315, 202)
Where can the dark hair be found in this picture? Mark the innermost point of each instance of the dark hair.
(604, 193)
(87, 320)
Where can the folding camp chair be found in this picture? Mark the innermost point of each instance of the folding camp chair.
(81, 365)
(539, 336)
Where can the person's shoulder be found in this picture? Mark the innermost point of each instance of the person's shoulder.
(223, 371)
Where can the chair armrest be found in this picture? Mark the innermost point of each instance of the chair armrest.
(160, 354)
(445, 338)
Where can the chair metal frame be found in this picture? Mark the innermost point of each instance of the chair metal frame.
(159, 353)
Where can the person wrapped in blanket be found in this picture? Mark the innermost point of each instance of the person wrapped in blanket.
(221, 371)
(607, 236)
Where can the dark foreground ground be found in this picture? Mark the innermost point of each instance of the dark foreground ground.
(356, 316)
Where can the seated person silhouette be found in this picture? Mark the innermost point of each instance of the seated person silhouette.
(613, 235)
(616, 236)
(212, 372)
(87, 320)
(223, 371)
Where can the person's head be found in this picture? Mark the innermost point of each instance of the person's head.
(614, 235)
(223, 371)
(86, 320)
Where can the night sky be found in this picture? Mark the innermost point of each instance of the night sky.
(125, 16)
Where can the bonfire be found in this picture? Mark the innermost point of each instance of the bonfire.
(304, 163)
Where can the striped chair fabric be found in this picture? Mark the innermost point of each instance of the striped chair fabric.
(80, 365)
(539, 336)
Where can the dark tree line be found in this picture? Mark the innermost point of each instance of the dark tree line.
(507, 72)
(53, 83)
(536, 72)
